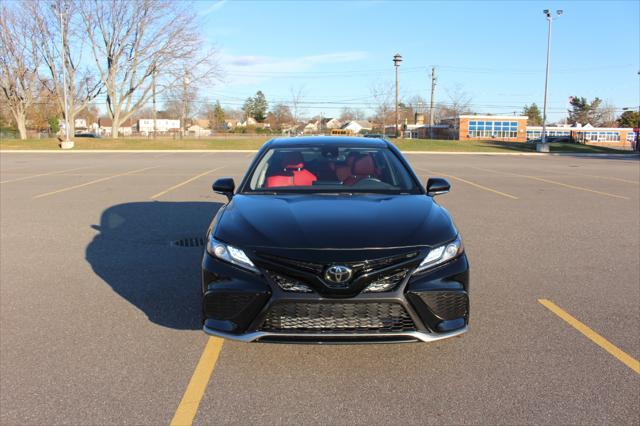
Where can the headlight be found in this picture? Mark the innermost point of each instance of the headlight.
(441, 254)
(229, 254)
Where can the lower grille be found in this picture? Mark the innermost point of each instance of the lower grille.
(337, 317)
(446, 304)
(226, 305)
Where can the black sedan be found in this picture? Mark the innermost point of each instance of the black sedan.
(333, 240)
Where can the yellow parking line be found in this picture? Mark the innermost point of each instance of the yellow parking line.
(188, 407)
(69, 188)
(43, 174)
(622, 356)
(553, 182)
(161, 193)
(468, 182)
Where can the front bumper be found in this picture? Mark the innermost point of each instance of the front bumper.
(243, 306)
(335, 338)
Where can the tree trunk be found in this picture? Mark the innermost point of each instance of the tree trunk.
(21, 122)
(72, 123)
(22, 127)
(115, 126)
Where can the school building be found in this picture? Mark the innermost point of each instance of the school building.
(507, 128)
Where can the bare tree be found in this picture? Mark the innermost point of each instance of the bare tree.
(133, 39)
(19, 63)
(348, 114)
(279, 116)
(56, 22)
(182, 98)
(606, 115)
(297, 98)
(383, 95)
(459, 101)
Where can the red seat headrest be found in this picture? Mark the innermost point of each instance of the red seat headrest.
(292, 160)
(351, 158)
(364, 166)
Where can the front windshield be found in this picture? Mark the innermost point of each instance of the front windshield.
(329, 169)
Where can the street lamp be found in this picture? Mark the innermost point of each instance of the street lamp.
(396, 61)
(543, 146)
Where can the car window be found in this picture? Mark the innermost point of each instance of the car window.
(331, 169)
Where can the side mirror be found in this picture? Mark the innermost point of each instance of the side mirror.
(224, 186)
(437, 186)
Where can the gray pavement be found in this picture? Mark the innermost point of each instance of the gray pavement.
(99, 313)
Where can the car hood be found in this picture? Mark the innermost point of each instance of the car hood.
(334, 221)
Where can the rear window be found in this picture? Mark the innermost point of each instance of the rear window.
(331, 169)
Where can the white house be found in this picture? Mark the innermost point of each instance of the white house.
(357, 125)
(198, 131)
(105, 127)
(311, 127)
(250, 121)
(332, 123)
(163, 125)
(80, 124)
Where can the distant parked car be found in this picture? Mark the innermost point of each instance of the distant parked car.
(87, 135)
(376, 136)
(565, 139)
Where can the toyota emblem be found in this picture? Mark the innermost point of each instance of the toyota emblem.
(338, 274)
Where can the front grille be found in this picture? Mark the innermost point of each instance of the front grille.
(358, 268)
(361, 266)
(446, 304)
(337, 317)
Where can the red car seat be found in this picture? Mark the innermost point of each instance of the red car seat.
(364, 167)
(344, 171)
(291, 172)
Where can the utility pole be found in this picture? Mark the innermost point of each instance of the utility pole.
(638, 128)
(543, 146)
(67, 144)
(396, 61)
(155, 112)
(433, 91)
(185, 99)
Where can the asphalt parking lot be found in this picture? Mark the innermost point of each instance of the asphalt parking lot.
(99, 312)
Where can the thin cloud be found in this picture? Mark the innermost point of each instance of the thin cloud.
(213, 7)
(250, 69)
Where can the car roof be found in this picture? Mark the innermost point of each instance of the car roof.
(326, 140)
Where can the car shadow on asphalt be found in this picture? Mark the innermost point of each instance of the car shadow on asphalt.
(136, 254)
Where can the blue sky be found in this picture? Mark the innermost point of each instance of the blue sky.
(494, 51)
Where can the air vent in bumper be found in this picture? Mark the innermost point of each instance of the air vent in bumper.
(337, 317)
(446, 305)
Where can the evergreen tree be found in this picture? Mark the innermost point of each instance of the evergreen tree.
(533, 112)
(248, 108)
(260, 107)
(583, 111)
(218, 115)
(629, 119)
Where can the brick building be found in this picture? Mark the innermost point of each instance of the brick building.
(507, 128)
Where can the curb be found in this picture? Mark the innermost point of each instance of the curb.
(174, 151)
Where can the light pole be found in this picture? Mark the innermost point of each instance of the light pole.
(67, 143)
(543, 146)
(638, 128)
(396, 61)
